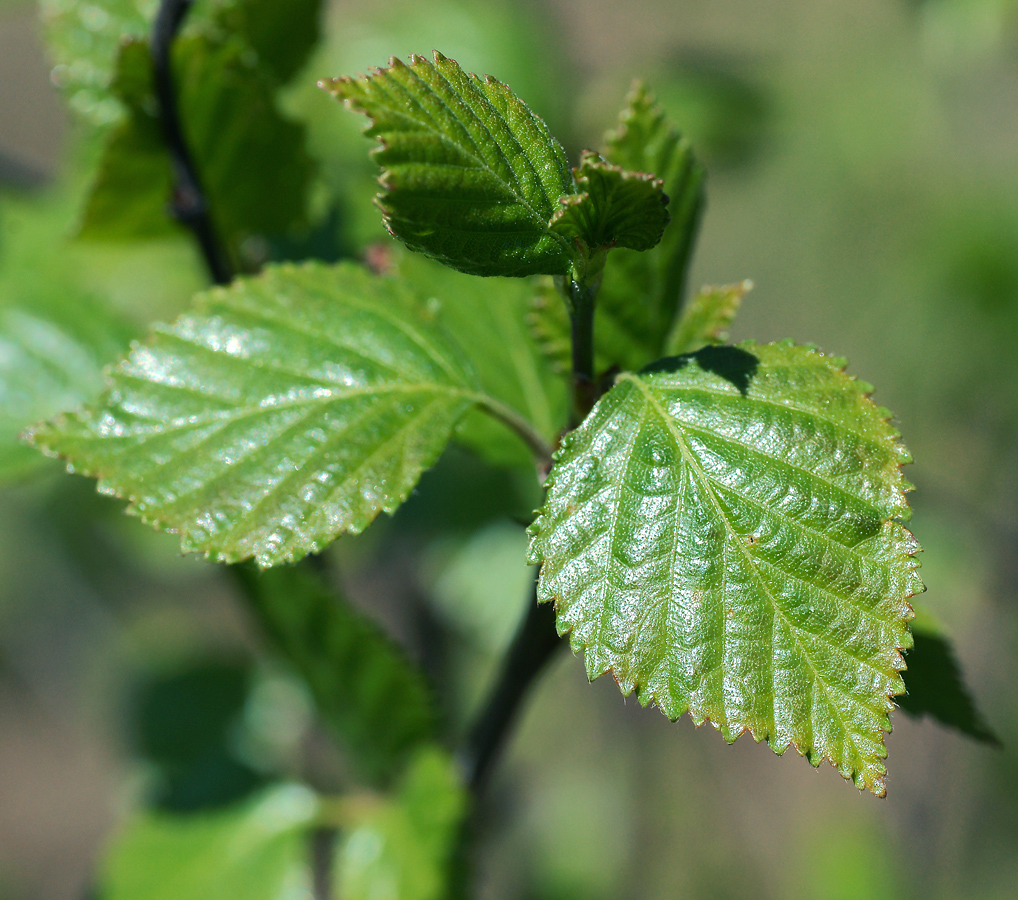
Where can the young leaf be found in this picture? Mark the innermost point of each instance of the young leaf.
(282, 32)
(258, 851)
(615, 208)
(366, 689)
(487, 318)
(283, 411)
(470, 176)
(934, 686)
(722, 535)
(707, 318)
(640, 291)
(403, 847)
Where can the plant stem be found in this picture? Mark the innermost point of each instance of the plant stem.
(534, 643)
(190, 206)
(582, 295)
(508, 416)
(323, 843)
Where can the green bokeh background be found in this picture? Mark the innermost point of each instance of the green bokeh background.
(863, 171)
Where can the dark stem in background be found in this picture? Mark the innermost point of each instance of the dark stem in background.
(581, 297)
(534, 643)
(323, 844)
(189, 207)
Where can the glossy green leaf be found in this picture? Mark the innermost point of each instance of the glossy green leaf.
(55, 337)
(707, 318)
(283, 411)
(402, 848)
(934, 685)
(615, 207)
(470, 176)
(376, 701)
(256, 851)
(722, 534)
(487, 318)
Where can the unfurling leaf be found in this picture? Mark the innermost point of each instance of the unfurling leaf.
(470, 176)
(640, 291)
(615, 207)
(707, 318)
(934, 686)
(722, 534)
(366, 689)
(283, 411)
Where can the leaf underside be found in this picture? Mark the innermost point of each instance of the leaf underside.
(722, 534)
(287, 409)
(707, 318)
(470, 176)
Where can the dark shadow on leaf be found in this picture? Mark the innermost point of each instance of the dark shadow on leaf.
(735, 365)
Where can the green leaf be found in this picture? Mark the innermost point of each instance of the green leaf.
(366, 689)
(487, 318)
(282, 32)
(707, 318)
(615, 207)
(641, 291)
(283, 411)
(470, 176)
(55, 337)
(84, 40)
(935, 687)
(255, 169)
(403, 848)
(722, 534)
(255, 851)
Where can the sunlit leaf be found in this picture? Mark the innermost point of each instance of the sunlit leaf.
(707, 318)
(256, 851)
(934, 685)
(487, 318)
(614, 207)
(723, 535)
(402, 847)
(470, 176)
(366, 689)
(641, 291)
(281, 412)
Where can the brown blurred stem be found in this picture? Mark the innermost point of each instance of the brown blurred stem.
(534, 643)
(189, 206)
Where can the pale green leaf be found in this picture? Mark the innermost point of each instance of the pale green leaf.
(470, 176)
(722, 534)
(259, 850)
(375, 700)
(402, 847)
(487, 318)
(55, 337)
(283, 411)
(707, 318)
(615, 207)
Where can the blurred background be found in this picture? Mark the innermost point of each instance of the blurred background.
(863, 172)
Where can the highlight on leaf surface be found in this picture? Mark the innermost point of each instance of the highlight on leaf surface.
(723, 534)
(614, 207)
(281, 412)
(470, 176)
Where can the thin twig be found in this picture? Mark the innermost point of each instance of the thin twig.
(190, 206)
(534, 644)
(323, 844)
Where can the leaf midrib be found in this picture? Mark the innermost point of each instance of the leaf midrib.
(736, 540)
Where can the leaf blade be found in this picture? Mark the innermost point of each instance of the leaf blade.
(287, 409)
(470, 176)
(707, 318)
(700, 548)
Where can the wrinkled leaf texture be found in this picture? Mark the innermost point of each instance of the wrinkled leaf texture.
(723, 535)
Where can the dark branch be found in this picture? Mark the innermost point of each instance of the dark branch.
(189, 206)
(533, 645)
